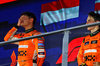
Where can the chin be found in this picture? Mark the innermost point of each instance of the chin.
(22, 25)
(89, 29)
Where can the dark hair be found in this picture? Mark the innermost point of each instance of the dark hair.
(96, 16)
(30, 15)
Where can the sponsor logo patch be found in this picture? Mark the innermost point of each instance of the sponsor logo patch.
(41, 53)
(41, 47)
(94, 42)
(40, 38)
(89, 58)
(22, 53)
(23, 46)
(86, 43)
(40, 44)
(40, 50)
(41, 56)
(40, 41)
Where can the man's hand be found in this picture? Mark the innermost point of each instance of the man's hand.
(19, 22)
(96, 63)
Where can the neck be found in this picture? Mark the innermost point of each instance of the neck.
(95, 29)
(28, 27)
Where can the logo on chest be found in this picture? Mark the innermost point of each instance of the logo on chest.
(94, 42)
(86, 43)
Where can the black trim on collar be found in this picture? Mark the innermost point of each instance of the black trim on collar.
(29, 30)
(94, 33)
(16, 26)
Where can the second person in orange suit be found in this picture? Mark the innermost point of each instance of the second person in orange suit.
(89, 53)
(30, 52)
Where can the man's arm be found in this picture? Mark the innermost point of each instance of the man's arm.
(80, 55)
(10, 35)
(40, 48)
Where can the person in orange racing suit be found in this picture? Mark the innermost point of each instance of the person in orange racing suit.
(89, 52)
(30, 52)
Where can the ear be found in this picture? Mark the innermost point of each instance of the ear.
(32, 20)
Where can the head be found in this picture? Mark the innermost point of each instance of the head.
(92, 18)
(27, 19)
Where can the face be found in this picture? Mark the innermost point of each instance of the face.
(25, 20)
(89, 21)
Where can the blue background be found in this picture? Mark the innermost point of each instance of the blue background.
(9, 14)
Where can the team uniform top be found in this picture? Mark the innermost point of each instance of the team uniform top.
(29, 51)
(90, 49)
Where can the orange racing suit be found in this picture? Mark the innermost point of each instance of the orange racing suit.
(90, 49)
(30, 52)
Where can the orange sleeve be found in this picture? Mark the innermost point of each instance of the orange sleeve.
(40, 48)
(11, 34)
(80, 55)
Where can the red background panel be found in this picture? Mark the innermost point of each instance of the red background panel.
(73, 54)
(6, 1)
(97, 6)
